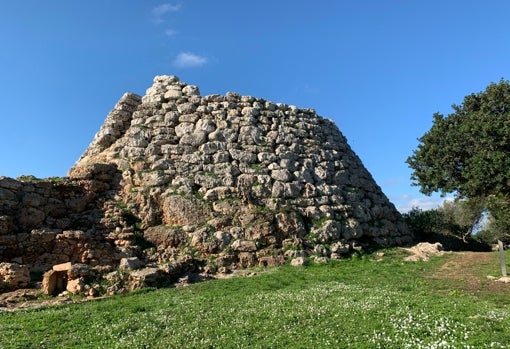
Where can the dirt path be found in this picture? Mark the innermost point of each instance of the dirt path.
(468, 271)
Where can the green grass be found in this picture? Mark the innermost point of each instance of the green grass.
(356, 303)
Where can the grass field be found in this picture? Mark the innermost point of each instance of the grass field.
(356, 303)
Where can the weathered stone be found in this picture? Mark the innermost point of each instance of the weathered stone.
(271, 261)
(340, 248)
(10, 184)
(282, 175)
(244, 246)
(77, 286)
(298, 262)
(14, 276)
(329, 231)
(79, 270)
(247, 259)
(179, 210)
(321, 260)
(6, 225)
(7, 195)
(54, 282)
(172, 174)
(174, 92)
(164, 237)
(290, 224)
(148, 277)
(62, 267)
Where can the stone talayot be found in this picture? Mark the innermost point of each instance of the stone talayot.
(189, 183)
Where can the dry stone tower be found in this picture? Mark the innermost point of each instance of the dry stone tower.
(215, 183)
(240, 172)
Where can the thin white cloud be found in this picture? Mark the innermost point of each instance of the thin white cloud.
(406, 203)
(189, 60)
(159, 12)
(170, 32)
(163, 9)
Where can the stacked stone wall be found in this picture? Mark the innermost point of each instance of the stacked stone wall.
(214, 183)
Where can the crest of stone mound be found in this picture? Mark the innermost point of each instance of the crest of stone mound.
(238, 178)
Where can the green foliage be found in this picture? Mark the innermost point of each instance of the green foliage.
(56, 179)
(27, 178)
(499, 220)
(459, 217)
(121, 205)
(467, 152)
(422, 223)
(356, 303)
(455, 218)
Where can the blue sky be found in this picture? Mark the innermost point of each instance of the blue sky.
(379, 69)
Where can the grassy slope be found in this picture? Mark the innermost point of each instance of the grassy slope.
(358, 303)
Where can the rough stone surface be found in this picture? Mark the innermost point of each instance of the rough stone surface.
(131, 263)
(13, 276)
(204, 183)
(298, 261)
(423, 251)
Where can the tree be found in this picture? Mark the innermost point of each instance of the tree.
(423, 223)
(468, 151)
(460, 217)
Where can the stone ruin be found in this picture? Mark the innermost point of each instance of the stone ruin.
(181, 184)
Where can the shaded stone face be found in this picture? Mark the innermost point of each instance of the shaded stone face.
(172, 174)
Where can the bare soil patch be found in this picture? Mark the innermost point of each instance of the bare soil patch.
(28, 298)
(469, 271)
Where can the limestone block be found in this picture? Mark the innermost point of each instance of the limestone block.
(340, 248)
(298, 262)
(184, 128)
(290, 224)
(330, 230)
(79, 270)
(54, 282)
(206, 125)
(271, 261)
(250, 135)
(7, 195)
(244, 246)
(321, 260)
(247, 259)
(62, 267)
(191, 90)
(14, 275)
(77, 286)
(173, 92)
(214, 147)
(163, 237)
(148, 277)
(282, 175)
(223, 237)
(10, 184)
(130, 263)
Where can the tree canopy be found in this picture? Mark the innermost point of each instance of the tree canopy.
(468, 151)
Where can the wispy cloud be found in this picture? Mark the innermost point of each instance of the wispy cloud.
(163, 9)
(189, 60)
(170, 32)
(406, 203)
(160, 11)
